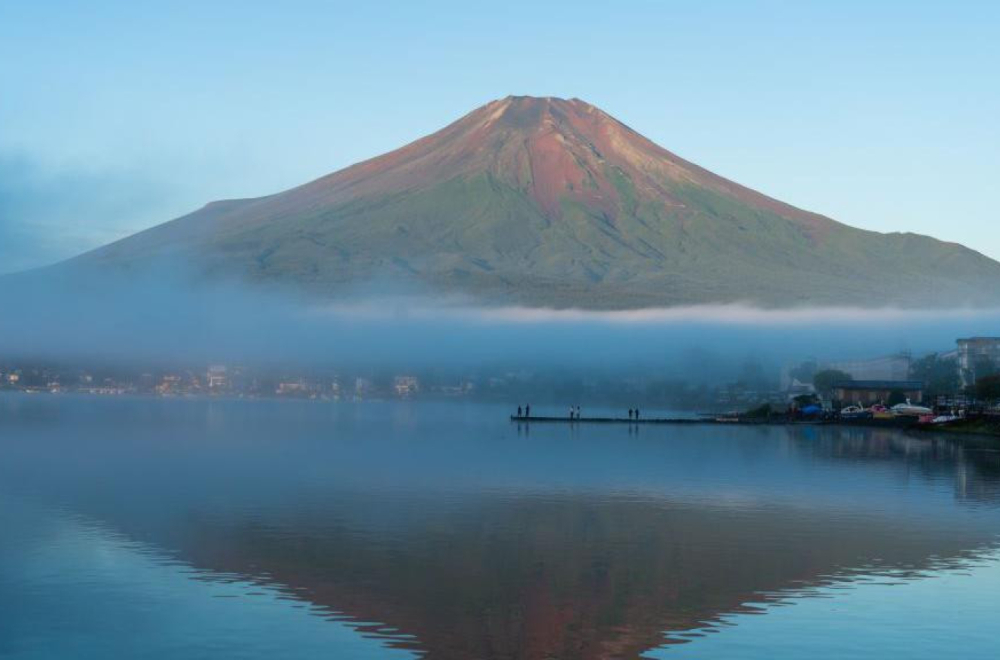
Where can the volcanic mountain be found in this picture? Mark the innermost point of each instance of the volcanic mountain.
(552, 202)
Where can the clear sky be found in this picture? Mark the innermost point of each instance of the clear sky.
(117, 115)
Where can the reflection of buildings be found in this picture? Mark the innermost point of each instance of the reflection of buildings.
(976, 354)
(971, 463)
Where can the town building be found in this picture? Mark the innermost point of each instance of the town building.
(406, 385)
(292, 388)
(870, 392)
(889, 367)
(169, 384)
(798, 388)
(976, 355)
(216, 378)
(363, 387)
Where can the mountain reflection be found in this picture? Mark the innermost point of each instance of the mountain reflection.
(568, 577)
(471, 541)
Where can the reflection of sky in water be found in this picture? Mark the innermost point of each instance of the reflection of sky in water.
(73, 589)
(478, 538)
(950, 613)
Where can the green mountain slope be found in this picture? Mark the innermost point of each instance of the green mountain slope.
(551, 202)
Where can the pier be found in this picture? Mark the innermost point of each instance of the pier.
(624, 420)
(899, 422)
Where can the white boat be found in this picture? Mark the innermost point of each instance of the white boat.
(910, 410)
(855, 412)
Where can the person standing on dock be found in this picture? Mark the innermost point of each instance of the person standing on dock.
(630, 414)
(578, 412)
(519, 411)
(571, 413)
(637, 414)
(527, 410)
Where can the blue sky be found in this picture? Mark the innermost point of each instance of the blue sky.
(115, 116)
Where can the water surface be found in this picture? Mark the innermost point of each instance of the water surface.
(259, 529)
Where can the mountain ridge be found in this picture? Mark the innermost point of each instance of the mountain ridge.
(553, 202)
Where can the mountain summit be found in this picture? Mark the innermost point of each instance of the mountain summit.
(553, 202)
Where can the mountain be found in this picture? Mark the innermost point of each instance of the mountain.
(552, 202)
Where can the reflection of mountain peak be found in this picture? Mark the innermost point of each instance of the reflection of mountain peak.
(485, 544)
(562, 577)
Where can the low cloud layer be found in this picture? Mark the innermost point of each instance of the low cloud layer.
(165, 317)
(723, 314)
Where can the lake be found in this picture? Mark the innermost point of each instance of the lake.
(261, 529)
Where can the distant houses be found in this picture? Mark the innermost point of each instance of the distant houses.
(889, 367)
(406, 386)
(937, 375)
(297, 387)
(216, 378)
(871, 392)
(977, 357)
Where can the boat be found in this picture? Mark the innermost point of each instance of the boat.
(811, 410)
(879, 411)
(855, 412)
(911, 410)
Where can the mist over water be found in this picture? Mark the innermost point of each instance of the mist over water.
(167, 317)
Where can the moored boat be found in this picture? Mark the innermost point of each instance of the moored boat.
(879, 411)
(911, 410)
(855, 412)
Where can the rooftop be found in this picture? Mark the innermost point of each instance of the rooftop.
(903, 385)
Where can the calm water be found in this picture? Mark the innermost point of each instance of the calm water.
(210, 529)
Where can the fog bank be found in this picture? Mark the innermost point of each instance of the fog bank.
(165, 317)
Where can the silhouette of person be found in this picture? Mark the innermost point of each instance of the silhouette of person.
(636, 414)
(527, 410)
(630, 414)
(571, 412)
(519, 411)
(578, 412)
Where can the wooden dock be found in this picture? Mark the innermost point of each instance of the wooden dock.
(617, 420)
(723, 420)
